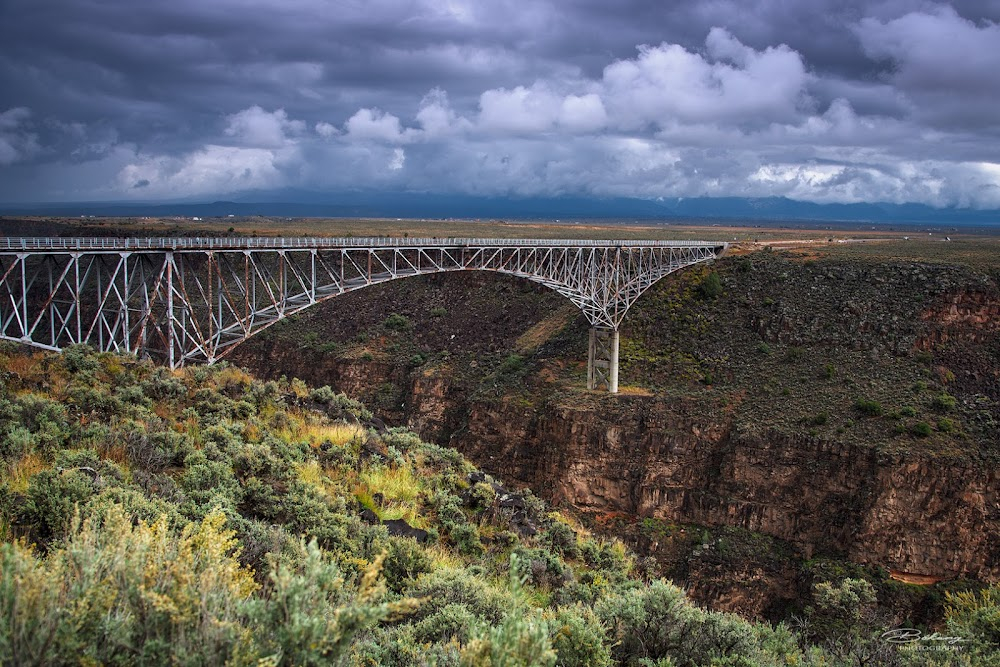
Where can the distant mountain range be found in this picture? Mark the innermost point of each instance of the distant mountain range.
(299, 203)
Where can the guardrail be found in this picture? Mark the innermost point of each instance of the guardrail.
(277, 243)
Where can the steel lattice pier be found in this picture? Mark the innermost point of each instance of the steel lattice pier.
(194, 299)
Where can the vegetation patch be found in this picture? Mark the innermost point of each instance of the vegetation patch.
(205, 517)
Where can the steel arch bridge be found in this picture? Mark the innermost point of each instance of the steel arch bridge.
(180, 300)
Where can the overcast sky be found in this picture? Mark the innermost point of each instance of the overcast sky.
(819, 100)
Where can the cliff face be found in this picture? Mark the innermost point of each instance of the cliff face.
(910, 514)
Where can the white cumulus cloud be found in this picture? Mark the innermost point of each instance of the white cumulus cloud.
(262, 129)
(518, 111)
(376, 125)
(732, 84)
(326, 130)
(211, 169)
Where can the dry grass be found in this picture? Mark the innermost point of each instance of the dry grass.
(315, 475)
(21, 365)
(442, 557)
(338, 433)
(311, 472)
(233, 375)
(116, 454)
(634, 391)
(571, 521)
(400, 492)
(19, 474)
(537, 335)
(397, 485)
(251, 432)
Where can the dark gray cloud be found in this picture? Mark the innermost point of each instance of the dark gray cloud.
(817, 99)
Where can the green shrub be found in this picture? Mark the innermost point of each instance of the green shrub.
(451, 622)
(162, 386)
(481, 495)
(80, 359)
(921, 429)
(844, 618)
(45, 419)
(313, 614)
(17, 442)
(512, 363)
(561, 539)
(944, 402)
(819, 419)
(868, 407)
(657, 622)
(396, 645)
(907, 411)
(945, 425)
(397, 322)
(153, 450)
(405, 562)
(133, 396)
(794, 353)
(578, 638)
(205, 481)
(339, 403)
(324, 395)
(309, 339)
(51, 501)
(123, 592)
(710, 287)
(610, 557)
(449, 509)
(329, 347)
(520, 641)
(587, 589)
(466, 538)
(541, 567)
(975, 616)
(445, 586)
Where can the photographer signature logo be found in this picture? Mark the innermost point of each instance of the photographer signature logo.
(914, 636)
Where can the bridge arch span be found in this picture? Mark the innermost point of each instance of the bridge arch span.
(193, 300)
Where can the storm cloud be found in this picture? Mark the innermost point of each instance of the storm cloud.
(815, 100)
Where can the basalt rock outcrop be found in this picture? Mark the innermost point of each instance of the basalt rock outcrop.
(923, 515)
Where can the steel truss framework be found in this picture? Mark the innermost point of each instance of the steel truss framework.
(186, 300)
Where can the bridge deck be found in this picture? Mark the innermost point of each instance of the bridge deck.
(320, 243)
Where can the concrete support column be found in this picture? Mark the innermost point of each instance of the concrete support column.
(591, 359)
(602, 359)
(613, 370)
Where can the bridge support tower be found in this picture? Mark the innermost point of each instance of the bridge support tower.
(602, 360)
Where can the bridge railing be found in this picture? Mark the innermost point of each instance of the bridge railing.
(272, 243)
